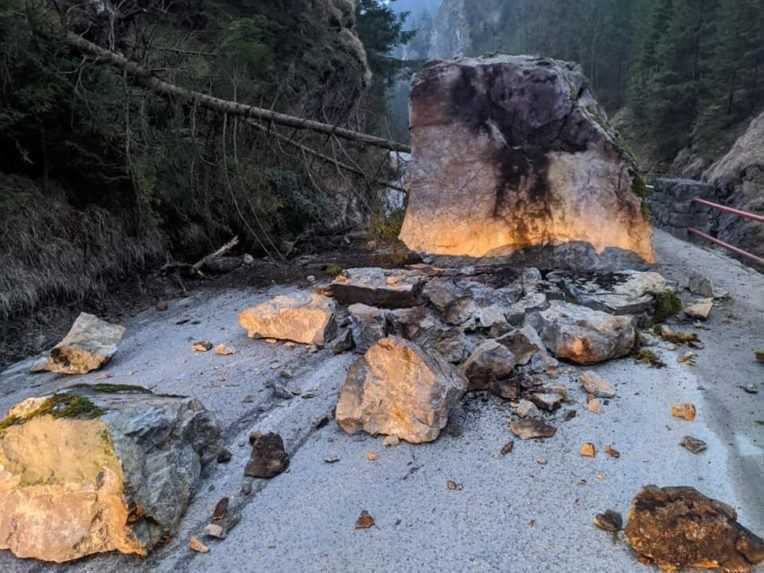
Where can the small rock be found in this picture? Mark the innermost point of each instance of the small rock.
(224, 456)
(569, 415)
(700, 285)
(609, 521)
(549, 401)
(246, 487)
(596, 385)
(331, 460)
(690, 358)
(612, 452)
(679, 528)
(759, 356)
(223, 350)
(202, 346)
(750, 389)
(306, 318)
(453, 486)
(89, 345)
(684, 411)
(532, 429)
(526, 409)
(588, 450)
(391, 441)
(268, 458)
(364, 521)
(372, 456)
(594, 405)
(221, 510)
(195, 544)
(507, 448)
(700, 310)
(693, 445)
(162, 306)
(214, 530)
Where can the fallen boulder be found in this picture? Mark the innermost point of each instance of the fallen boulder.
(89, 345)
(305, 318)
(626, 292)
(396, 389)
(268, 458)
(513, 152)
(100, 468)
(679, 528)
(382, 288)
(582, 335)
(491, 361)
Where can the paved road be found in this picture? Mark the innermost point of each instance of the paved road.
(527, 512)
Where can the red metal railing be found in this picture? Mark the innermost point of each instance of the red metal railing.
(733, 248)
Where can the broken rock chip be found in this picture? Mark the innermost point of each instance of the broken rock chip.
(700, 285)
(306, 318)
(582, 335)
(609, 521)
(223, 350)
(684, 411)
(396, 389)
(526, 409)
(268, 458)
(195, 544)
(489, 362)
(595, 385)
(89, 345)
(377, 287)
(364, 521)
(679, 528)
(532, 429)
(368, 325)
(201, 346)
(700, 310)
(549, 401)
(100, 468)
(588, 450)
(693, 445)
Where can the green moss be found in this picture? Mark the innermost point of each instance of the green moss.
(388, 227)
(667, 304)
(650, 358)
(333, 270)
(8, 422)
(59, 406)
(118, 389)
(639, 187)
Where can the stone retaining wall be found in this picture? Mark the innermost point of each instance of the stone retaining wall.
(672, 207)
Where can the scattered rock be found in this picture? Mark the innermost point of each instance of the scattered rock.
(223, 350)
(368, 325)
(195, 544)
(378, 287)
(700, 285)
(215, 530)
(594, 405)
(549, 401)
(364, 521)
(679, 528)
(442, 293)
(306, 318)
(759, 356)
(651, 358)
(609, 521)
(700, 310)
(224, 456)
(684, 411)
(489, 362)
(454, 486)
(676, 336)
(396, 389)
(89, 345)
(750, 389)
(689, 358)
(201, 346)
(532, 429)
(526, 409)
(694, 445)
(612, 452)
(268, 458)
(507, 448)
(596, 385)
(583, 335)
(588, 450)
(74, 465)
(372, 456)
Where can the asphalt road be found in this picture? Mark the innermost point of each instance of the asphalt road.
(528, 511)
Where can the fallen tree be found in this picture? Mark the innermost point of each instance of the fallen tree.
(219, 105)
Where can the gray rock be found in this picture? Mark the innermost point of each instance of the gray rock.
(89, 345)
(306, 318)
(491, 361)
(626, 292)
(268, 458)
(700, 310)
(376, 287)
(368, 325)
(142, 453)
(504, 140)
(595, 385)
(700, 285)
(532, 429)
(582, 335)
(549, 401)
(526, 409)
(396, 389)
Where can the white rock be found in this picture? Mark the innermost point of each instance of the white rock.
(306, 318)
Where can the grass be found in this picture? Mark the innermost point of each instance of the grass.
(50, 251)
(59, 406)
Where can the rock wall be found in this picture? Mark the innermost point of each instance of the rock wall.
(672, 207)
(511, 153)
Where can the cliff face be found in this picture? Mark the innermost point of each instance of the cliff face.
(465, 28)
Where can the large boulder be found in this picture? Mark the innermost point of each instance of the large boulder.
(306, 318)
(679, 528)
(383, 288)
(89, 345)
(582, 335)
(99, 468)
(627, 292)
(513, 152)
(397, 389)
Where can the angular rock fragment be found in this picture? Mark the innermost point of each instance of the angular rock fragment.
(625, 292)
(305, 318)
(549, 401)
(201, 346)
(700, 285)
(368, 325)
(609, 521)
(583, 335)
(612, 452)
(268, 458)
(759, 356)
(595, 385)
(588, 450)
(195, 544)
(378, 287)
(89, 345)
(528, 349)
(526, 409)
(700, 310)
(223, 350)
(512, 152)
(532, 429)
(693, 445)
(684, 411)
(679, 528)
(100, 468)
(507, 448)
(594, 405)
(397, 389)
(491, 361)
(364, 521)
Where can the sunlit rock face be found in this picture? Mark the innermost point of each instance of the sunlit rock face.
(512, 152)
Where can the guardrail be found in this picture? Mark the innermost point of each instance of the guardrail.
(724, 244)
